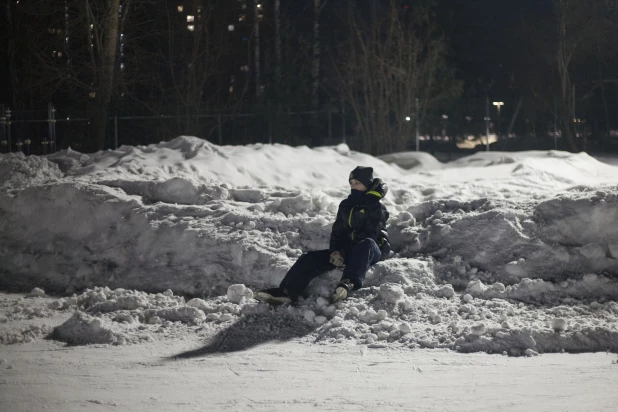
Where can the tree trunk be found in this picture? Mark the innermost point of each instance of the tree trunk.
(278, 42)
(11, 54)
(256, 52)
(315, 67)
(106, 74)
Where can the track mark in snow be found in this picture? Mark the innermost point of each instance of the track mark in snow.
(232, 370)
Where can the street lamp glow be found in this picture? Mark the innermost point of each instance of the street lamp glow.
(498, 105)
(407, 118)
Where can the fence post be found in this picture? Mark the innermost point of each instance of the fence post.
(343, 121)
(555, 124)
(3, 141)
(330, 126)
(46, 141)
(53, 129)
(418, 136)
(115, 131)
(487, 121)
(270, 125)
(7, 114)
(219, 128)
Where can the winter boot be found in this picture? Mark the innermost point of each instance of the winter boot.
(342, 290)
(274, 296)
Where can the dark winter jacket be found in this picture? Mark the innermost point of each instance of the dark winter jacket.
(359, 217)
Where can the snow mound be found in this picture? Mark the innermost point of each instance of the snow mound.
(82, 329)
(121, 316)
(566, 236)
(516, 256)
(413, 160)
(18, 171)
(25, 334)
(202, 162)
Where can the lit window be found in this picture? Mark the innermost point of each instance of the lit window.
(180, 8)
(230, 27)
(191, 27)
(190, 18)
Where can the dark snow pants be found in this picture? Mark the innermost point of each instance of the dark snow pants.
(315, 263)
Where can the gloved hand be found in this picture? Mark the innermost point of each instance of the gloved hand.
(336, 258)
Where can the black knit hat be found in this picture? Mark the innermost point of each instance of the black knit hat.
(362, 174)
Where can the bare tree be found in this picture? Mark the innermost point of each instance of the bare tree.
(388, 62)
(192, 53)
(582, 27)
(104, 62)
(75, 47)
(318, 5)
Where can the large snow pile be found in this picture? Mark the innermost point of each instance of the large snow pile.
(496, 252)
(413, 160)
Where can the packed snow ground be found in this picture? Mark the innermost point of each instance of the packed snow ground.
(46, 376)
(513, 253)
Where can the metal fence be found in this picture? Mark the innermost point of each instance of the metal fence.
(516, 124)
(39, 132)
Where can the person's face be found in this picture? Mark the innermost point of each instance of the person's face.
(356, 185)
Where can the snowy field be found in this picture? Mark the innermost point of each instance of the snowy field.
(135, 268)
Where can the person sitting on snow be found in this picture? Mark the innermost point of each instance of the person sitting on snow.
(358, 241)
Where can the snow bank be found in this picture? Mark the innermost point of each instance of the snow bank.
(569, 235)
(18, 171)
(484, 249)
(413, 160)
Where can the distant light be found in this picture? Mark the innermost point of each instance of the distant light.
(191, 27)
(407, 118)
(230, 27)
(180, 9)
(444, 116)
(190, 18)
(498, 104)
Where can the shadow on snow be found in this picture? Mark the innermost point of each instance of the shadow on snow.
(250, 331)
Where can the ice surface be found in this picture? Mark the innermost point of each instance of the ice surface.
(497, 252)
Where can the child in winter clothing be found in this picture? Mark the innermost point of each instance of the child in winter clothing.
(358, 240)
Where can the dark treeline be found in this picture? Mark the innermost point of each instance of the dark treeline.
(293, 71)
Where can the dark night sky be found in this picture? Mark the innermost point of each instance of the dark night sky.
(478, 33)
